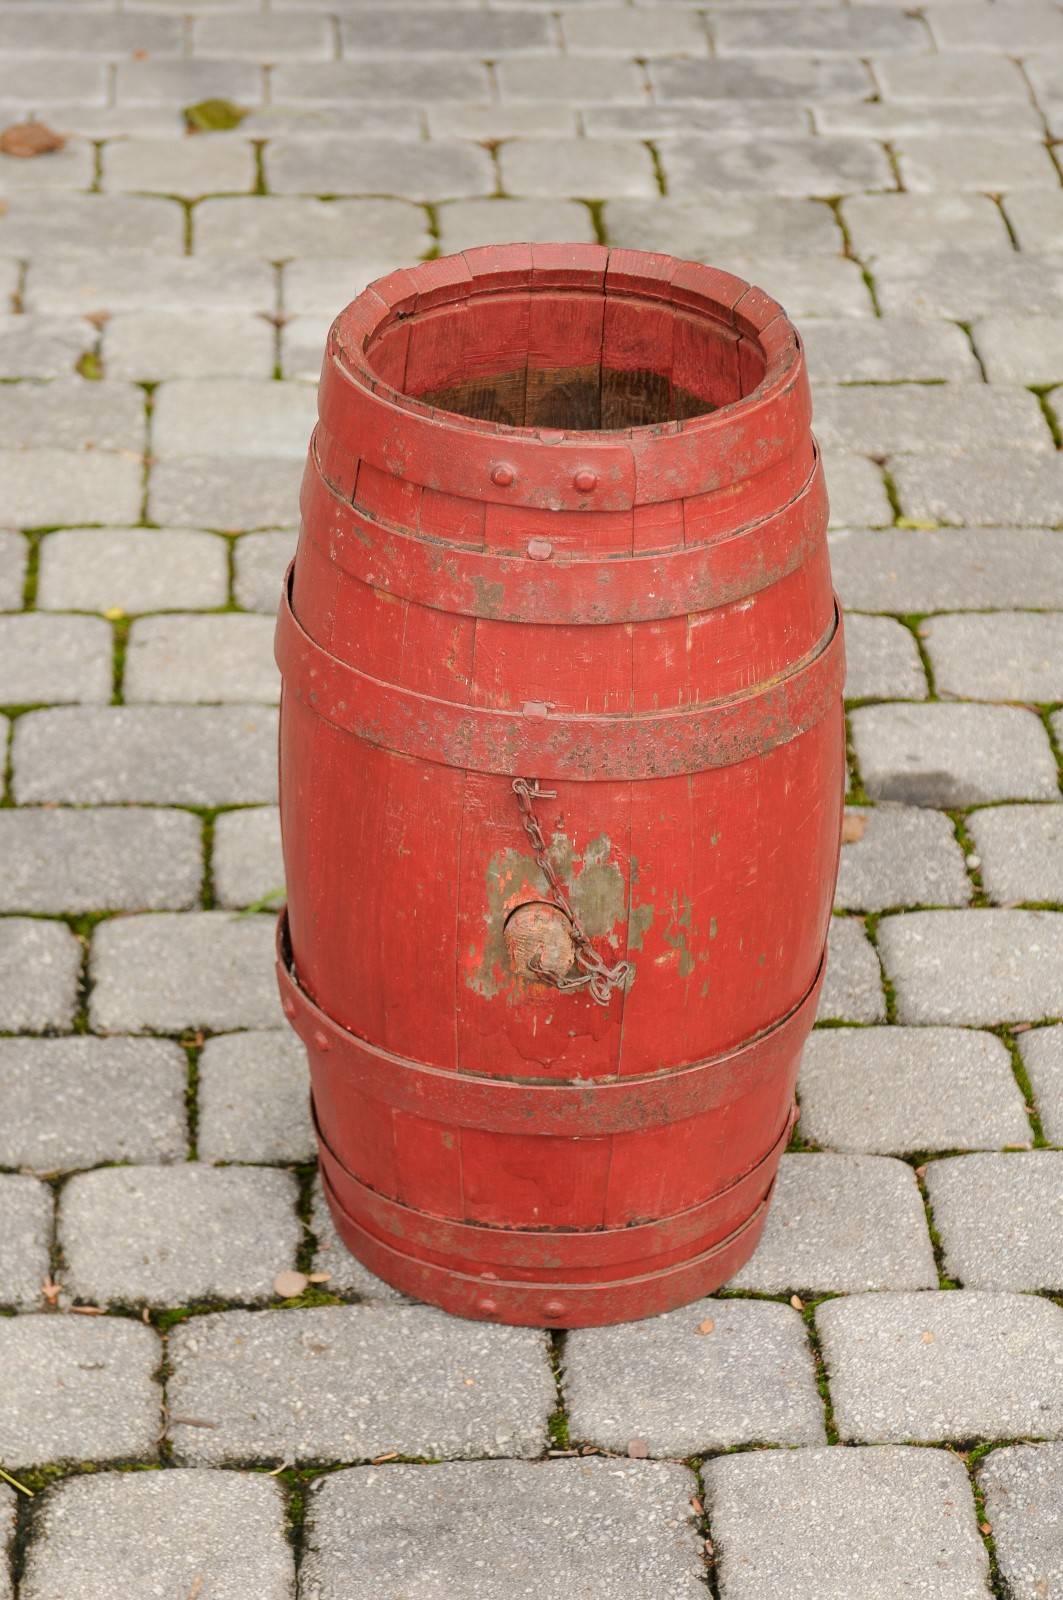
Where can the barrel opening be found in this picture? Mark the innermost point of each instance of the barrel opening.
(574, 358)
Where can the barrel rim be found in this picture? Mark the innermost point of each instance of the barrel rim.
(719, 295)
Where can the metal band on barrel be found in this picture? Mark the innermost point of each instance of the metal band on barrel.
(558, 588)
(502, 1105)
(558, 744)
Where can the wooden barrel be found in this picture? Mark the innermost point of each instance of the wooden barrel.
(562, 764)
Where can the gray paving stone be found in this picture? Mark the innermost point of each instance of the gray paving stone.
(852, 988)
(887, 350)
(37, 224)
(731, 120)
(34, 84)
(45, 487)
(72, 415)
(905, 856)
(908, 1516)
(965, 285)
(882, 660)
(885, 227)
(736, 223)
(543, 119)
(302, 345)
(174, 970)
(748, 1378)
(463, 224)
(26, 1239)
(188, 167)
(920, 569)
(309, 121)
(346, 1273)
(63, 861)
(73, 32)
(277, 227)
(1042, 1056)
(40, 969)
(410, 82)
(248, 865)
(323, 286)
(184, 755)
(616, 31)
(12, 570)
(991, 488)
(70, 168)
(158, 1532)
(840, 1223)
(1023, 1485)
(213, 659)
(588, 168)
(974, 967)
(115, 281)
(261, 560)
(120, 1240)
(953, 755)
(405, 33)
(284, 36)
(186, 83)
(915, 418)
(1006, 655)
(956, 1364)
(42, 347)
(857, 491)
(440, 170)
(131, 570)
(976, 162)
(76, 1102)
(549, 1529)
(228, 494)
(920, 120)
(863, 30)
(999, 1218)
(51, 659)
(807, 288)
(568, 79)
(1025, 27)
(889, 1091)
(1037, 220)
(8, 1513)
(751, 78)
(1020, 349)
(234, 417)
(412, 1380)
(114, 122)
(952, 75)
(76, 1388)
(827, 165)
(152, 345)
(254, 1102)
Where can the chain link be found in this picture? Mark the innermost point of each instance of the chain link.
(594, 973)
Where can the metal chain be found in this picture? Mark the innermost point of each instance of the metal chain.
(594, 973)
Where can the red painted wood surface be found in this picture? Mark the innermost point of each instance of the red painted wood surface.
(563, 519)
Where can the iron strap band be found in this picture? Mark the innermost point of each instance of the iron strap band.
(617, 1105)
(549, 744)
(576, 1248)
(438, 451)
(515, 587)
(541, 1303)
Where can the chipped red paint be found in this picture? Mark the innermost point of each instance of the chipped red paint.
(563, 519)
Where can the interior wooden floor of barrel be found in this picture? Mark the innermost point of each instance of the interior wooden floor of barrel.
(567, 361)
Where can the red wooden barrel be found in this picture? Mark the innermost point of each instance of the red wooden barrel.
(563, 522)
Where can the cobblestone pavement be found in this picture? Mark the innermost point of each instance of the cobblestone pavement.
(875, 1407)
